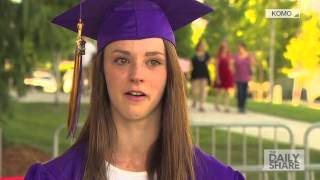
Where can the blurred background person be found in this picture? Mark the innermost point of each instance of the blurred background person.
(200, 75)
(224, 77)
(243, 68)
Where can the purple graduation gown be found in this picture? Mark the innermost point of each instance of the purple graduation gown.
(70, 166)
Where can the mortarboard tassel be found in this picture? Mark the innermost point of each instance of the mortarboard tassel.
(75, 96)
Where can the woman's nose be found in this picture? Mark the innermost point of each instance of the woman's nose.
(137, 73)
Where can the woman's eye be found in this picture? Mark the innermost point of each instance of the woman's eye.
(121, 61)
(153, 62)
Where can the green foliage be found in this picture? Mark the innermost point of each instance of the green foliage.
(9, 54)
(184, 42)
(28, 38)
(245, 21)
(46, 37)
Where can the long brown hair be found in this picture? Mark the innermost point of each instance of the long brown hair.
(172, 156)
(223, 47)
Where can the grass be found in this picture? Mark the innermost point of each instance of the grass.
(299, 113)
(34, 124)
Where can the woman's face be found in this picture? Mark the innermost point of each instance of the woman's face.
(136, 74)
(224, 48)
(241, 49)
(201, 47)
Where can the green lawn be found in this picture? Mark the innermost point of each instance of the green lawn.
(300, 113)
(34, 124)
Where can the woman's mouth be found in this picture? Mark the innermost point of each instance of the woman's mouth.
(135, 96)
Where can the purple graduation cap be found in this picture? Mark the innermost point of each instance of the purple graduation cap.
(111, 20)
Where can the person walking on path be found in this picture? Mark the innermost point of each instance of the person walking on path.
(224, 76)
(200, 75)
(243, 65)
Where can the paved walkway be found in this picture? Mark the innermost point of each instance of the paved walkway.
(212, 116)
(298, 128)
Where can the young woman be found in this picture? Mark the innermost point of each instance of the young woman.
(243, 65)
(224, 76)
(200, 75)
(137, 127)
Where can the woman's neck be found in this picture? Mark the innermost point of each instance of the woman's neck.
(224, 54)
(243, 54)
(200, 53)
(135, 140)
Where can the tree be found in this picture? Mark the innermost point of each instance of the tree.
(184, 42)
(27, 39)
(245, 21)
(303, 54)
(12, 66)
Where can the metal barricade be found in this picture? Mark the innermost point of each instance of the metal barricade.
(310, 172)
(245, 168)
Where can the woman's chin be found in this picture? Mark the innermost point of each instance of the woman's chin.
(135, 118)
(138, 113)
(135, 115)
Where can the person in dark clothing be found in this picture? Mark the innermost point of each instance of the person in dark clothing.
(200, 75)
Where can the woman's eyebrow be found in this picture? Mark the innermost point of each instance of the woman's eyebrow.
(153, 53)
(121, 51)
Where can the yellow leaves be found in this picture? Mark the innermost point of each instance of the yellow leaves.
(239, 33)
(303, 51)
(251, 15)
(252, 3)
(311, 28)
(198, 26)
(232, 2)
(285, 70)
(212, 71)
(259, 53)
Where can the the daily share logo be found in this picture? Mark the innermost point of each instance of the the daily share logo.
(283, 160)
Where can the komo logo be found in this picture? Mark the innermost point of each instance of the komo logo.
(282, 13)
